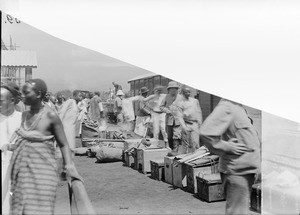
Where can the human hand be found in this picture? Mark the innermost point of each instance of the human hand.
(72, 173)
(238, 148)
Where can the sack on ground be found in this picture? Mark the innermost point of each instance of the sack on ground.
(80, 151)
(90, 129)
(108, 154)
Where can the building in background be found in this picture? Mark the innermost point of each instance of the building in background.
(16, 65)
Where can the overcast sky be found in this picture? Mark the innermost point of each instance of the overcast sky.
(67, 66)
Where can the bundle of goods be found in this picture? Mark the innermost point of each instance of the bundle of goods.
(89, 132)
(80, 151)
(119, 135)
(108, 154)
(92, 150)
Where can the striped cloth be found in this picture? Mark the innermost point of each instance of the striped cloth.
(34, 173)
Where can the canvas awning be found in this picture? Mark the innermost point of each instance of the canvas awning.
(17, 58)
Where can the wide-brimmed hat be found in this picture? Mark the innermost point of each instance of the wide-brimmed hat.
(158, 87)
(144, 90)
(173, 84)
(120, 93)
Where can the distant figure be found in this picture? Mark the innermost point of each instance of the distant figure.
(157, 116)
(172, 123)
(19, 104)
(34, 174)
(47, 101)
(143, 114)
(69, 116)
(128, 111)
(228, 132)
(117, 87)
(53, 100)
(190, 117)
(59, 102)
(118, 107)
(96, 108)
(10, 121)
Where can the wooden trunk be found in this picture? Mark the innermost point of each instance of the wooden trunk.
(192, 171)
(128, 159)
(179, 175)
(255, 199)
(145, 155)
(157, 169)
(169, 169)
(210, 188)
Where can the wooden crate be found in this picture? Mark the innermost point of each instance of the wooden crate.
(169, 169)
(136, 153)
(179, 175)
(255, 200)
(157, 169)
(145, 155)
(128, 159)
(210, 187)
(192, 170)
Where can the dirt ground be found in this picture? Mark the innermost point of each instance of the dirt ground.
(117, 189)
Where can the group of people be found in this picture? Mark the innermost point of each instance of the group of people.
(228, 132)
(29, 139)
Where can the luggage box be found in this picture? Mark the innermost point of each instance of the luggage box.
(255, 199)
(128, 159)
(157, 169)
(179, 172)
(210, 187)
(145, 155)
(168, 169)
(197, 167)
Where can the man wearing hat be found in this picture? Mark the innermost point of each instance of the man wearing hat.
(143, 114)
(118, 106)
(10, 120)
(190, 117)
(158, 117)
(172, 124)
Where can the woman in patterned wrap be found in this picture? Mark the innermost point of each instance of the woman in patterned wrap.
(34, 171)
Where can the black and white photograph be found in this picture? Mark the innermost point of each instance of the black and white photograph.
(150, 107)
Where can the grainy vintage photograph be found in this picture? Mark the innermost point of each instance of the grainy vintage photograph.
(85, 133)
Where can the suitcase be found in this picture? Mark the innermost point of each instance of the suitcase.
(157, 169)
(210, 187)
(179, 172)
(168, 167)
(128, 159)
(145, 155)
(255, 198)
(206, 165)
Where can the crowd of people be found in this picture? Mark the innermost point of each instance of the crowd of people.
(37, 127)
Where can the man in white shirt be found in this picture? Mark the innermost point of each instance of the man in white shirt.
(190, 117)
(158, 117)
(10, 120)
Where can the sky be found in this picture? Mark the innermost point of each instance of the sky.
(246, 51)
(64, 65)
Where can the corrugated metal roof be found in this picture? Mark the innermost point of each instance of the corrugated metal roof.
(149, 75)
(17, 58)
